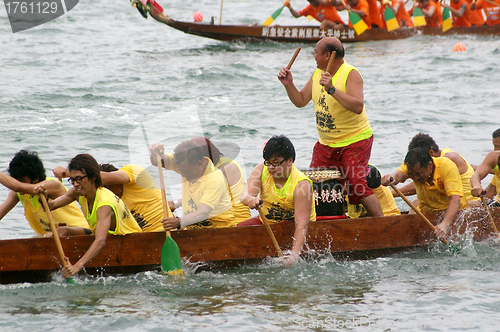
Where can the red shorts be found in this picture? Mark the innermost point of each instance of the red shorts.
(351, 161)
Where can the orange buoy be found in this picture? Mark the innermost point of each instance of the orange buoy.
(198, 16)
(459, 47)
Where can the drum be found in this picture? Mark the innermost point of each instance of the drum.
(328, 186)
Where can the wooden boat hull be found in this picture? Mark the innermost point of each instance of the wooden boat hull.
(311, 34)
(35, 259)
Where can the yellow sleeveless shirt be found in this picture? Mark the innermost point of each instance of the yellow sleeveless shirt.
(337, 127)
(125, 222)
(241, 211)
(279, 204)
(70, 214)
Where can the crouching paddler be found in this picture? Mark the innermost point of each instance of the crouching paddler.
(105, 212)
(284, 192)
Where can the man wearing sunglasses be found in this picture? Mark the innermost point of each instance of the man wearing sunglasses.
(136, 188)
(284, 193)
(345, 135)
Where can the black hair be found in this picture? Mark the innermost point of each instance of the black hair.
(27, 163)
(107, 168)
(85, 163)
(279, 145)
(496, 133)
(209, 149)
(189, 150)
(423, 141)
(416, 156)
(339, 53)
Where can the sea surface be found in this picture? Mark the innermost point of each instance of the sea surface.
(103, 80)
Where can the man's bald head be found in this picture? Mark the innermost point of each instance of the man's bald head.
(332, 44)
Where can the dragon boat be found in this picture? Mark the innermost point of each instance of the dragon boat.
(297, 33)
(37, 259)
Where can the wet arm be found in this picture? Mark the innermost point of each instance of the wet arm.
(104, 216)
(443, 227)
(9, 203)
(482, 170)
(303, 202)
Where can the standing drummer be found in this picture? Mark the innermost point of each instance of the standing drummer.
(345, 135)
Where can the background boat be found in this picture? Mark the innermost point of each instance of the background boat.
(309, 34)
(304, 34)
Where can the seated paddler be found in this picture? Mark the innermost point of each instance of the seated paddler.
(105, 212)
(206, 201)
(284, 193)
(233, 174)
(437, 183)
(26, 173)
(136, 188)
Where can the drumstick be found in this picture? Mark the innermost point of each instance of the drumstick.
(293, 58)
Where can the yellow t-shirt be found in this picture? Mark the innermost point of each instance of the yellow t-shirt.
(465, 178)
(337, 126)
(143, 198)
(125, 222)
(70, 214)
(241, 211)
(386, 200)
(210, 189)
(446, 181)
(279, 204)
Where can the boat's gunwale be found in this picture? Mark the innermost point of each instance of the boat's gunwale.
(22, 259)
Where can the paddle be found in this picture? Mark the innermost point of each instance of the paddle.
(220, 16)
(493, 3)
(490, 216)
(56, 236)
(292, 60)
(420, 214)
(418, 17)
(357, 22)
(270, 231)
(446, 24)
(170, 255)
(275, 15)
(390, 19)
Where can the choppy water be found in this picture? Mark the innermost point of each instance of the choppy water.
(88, 80)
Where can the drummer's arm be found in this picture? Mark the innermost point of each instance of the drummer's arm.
(298, 98)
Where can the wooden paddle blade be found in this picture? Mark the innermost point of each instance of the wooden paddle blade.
(171, 257)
